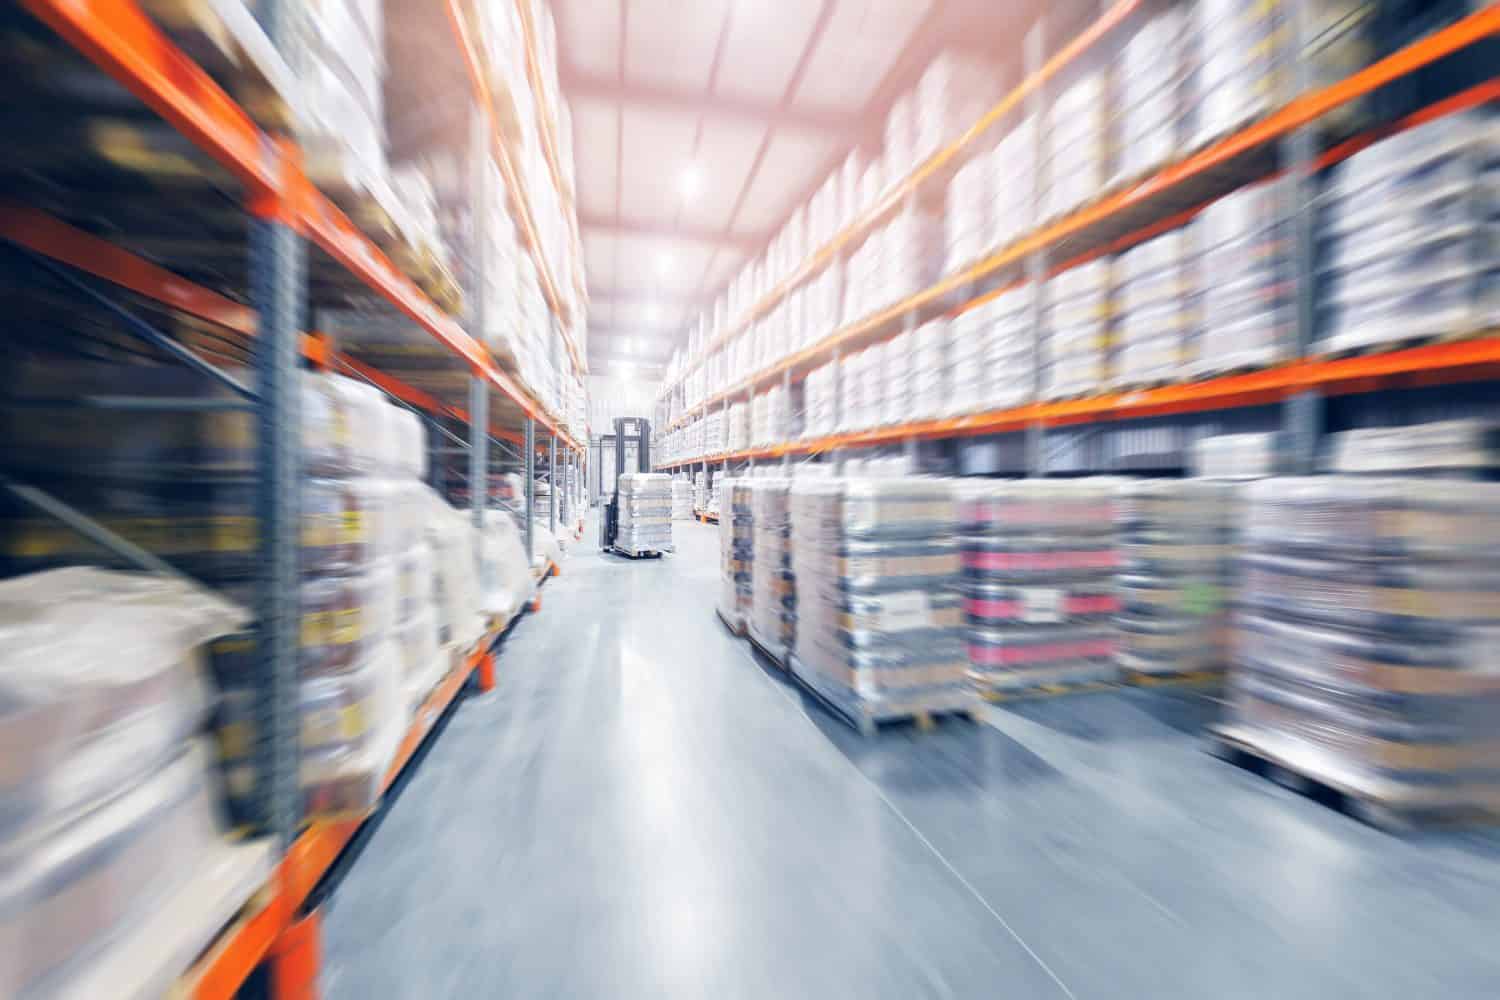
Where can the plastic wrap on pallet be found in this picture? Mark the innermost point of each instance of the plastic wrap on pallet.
(773, 602)
(1368, 616)
(1039, 560)
(1177, 540)
(645, 515)
(1238, 456)
(1448, 447)
(106, 804)
(1156, 312)
(1246, 280)
(736, 551)
(879, 620)
(1410, 237)
(682, 500)
(1077, 330)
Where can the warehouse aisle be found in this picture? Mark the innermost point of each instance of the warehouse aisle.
(640, 810)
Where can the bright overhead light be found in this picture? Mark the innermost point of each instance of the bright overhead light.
(690, 182)
(627, 345)
(653, 313)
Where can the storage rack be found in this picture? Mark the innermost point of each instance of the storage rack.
(1118, 218)
(245, 185)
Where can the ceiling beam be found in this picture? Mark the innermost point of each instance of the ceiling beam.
(583, 86)
(616, 295)
(743, 242)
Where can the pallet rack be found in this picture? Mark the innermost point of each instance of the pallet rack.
(1119, 218)
(260, 205)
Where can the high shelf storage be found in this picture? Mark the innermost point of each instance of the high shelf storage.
(169, 207)
(773, 351)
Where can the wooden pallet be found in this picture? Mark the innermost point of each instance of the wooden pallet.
(1049, 689)
(736, 630)
(1170, 678)
(869, 726)
(637, 553)
(1369, 799)
(780, 661)
(1402, 343)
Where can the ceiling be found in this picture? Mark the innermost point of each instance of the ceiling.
(700, 126)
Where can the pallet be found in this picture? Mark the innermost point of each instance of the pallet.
(1049, 689)
(1368, 799)
(637, 553)
(735, 630)
(1170, 678)
(781, 661)
(224, 38)
(869, 726)
(1336, 353)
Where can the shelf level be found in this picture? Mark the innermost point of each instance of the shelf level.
(1175, 178)
(1436, 364)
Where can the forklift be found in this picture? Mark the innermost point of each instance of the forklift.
(634, 428)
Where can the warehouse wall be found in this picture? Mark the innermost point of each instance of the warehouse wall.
(612, 396)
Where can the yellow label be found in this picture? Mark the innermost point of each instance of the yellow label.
(352, 722)
(344, 627)
(352, 527)
(316, 626)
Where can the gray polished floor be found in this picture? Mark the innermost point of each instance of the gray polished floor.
(641, 810)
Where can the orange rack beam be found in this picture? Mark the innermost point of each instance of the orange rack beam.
(508, 171)
(1434, 364)
(1299, 112)
(221, 973)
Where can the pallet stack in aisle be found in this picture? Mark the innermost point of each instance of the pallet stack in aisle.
(1039, 561)
(645, 515)
(879, 632)
(773, 596)
(682, 499)
(108, 810)
(1369, 606)
(736, 553)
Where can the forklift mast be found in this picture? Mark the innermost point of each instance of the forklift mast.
(626, 428)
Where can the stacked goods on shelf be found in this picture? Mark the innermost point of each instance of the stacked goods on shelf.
(107, 804)
(1447, 447)
(715, 498)
(1153, 80)
(989, 354)
(341, 100)
(700, 492)
(1077, 330)
(1237, 456)
(821, 402)
(1410, 233)
(682, 500)
(505, 582)
(737, 433)
(955, 91)
(1176, 540)
(1076, 144)
(1155, 309)
(879, 622)
(773, 597)
(645, 515)
(929, 363)
(1039, 558)
(736, 553)
(714, 428)
(1368, 609)
(1248, 309)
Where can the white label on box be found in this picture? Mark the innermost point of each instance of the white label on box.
(1041, 605)
(907, 609)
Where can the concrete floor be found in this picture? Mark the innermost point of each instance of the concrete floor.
(642, 810)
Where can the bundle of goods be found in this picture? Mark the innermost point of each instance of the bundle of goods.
(1014, 185)
(896, 379)
(106, 802)
(1368, 610)
(990, 354)
(1176, 540)
(682, 500)
(714, 498)
(700, 491)
(1153, 80)
(821, 402)
(1237, 456)
(1076, 330)
(645, 514)
(773, 604)
(1039, 558)
(968, 226)
(505, 582)
(737, 435)
(928, 358)
(1076, 143)
(1155, 309)
(879, 623)
(1244, 272)
(1247, 59)
(736, 554)
(546, 551)
(1453, 447)
(955, 91)
(1411, 237)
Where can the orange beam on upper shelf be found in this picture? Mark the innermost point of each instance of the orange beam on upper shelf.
(469, 50)
(117, 36)
(51, 237)
(932, 166)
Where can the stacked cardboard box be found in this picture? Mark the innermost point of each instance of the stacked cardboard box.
(736, 550)
(1077, 330)
(1248, 309)
(773, 601)
(645, 515)
(1155, 309)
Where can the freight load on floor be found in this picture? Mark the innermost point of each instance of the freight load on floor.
(879, 632)
(773, 597)
(645, 514)
(736, 554)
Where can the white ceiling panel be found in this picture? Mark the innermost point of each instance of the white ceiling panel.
(726, 152)
(671, 43)
(670, 265)
(599, 256)
(725, 265)
(648, 317)
(791, 163)
(656, 146)
(592, 28)
(765, 44)
(863, 40)
(595, 136)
